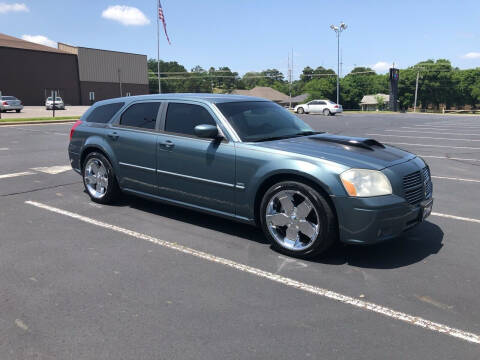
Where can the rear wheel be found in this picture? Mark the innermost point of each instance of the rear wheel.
(99, 179)
(300, 110)
(297, 220)
(17, 111)
(326, 112)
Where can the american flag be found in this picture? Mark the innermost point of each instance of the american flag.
(162, 17)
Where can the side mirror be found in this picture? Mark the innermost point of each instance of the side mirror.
(206, 131)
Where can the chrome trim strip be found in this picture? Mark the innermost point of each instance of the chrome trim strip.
(136, 166)
(196, 178)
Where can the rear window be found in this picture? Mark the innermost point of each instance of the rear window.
(103, 113)
(141, 115)
(9, 98)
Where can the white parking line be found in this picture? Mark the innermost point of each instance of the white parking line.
(430, 132)
(454, 178)
(424, 137)
(3, 149)
(447, 158)
(454, 217)
(442, 146)
(452, 127)
(53, 170)
(6, 176)
(397, 315)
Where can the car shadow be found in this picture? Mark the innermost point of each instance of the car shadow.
(197, 218)
(413, 246)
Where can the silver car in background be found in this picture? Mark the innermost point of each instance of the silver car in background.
(58, 103)
(10, 103)
(325, 107)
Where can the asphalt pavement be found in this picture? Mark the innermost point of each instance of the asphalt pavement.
(142, 280)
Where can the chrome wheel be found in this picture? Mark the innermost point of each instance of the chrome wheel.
(96, 178)
(292, 220)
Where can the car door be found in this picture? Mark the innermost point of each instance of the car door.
(322, 105)
(313, 107)
(133, 139)
(193, 170)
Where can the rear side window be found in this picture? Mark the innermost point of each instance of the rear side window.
(182, 118)
(103, 113)
(142, 115)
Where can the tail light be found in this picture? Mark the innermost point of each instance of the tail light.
(72, 130)
(336, 106)
(4, 103)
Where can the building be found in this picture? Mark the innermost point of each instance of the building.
(107, 74)
(370, 102)
(80, 75)
(266, 93)
(299, 99)
(31, 71)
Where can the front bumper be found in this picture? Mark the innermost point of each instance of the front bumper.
(11, 107)
(375, 219)
(57, 106)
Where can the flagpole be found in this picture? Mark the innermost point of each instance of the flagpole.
(158, 49)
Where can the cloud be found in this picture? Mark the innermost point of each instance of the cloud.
(126, 15)
(40, 39)
(15, 7)
(472, 55)
(381, 66)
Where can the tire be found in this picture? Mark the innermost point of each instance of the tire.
(326, 112)
(300, 110)
(280, 222)
(102, 188)
(17, 111)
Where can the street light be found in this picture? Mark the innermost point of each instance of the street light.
(338, 30)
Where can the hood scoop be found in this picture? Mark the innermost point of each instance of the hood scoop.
(364, 143)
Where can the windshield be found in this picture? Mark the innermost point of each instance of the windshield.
(56, 99)
(262, 120)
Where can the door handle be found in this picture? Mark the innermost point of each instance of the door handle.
(166, 144)
(113, 135)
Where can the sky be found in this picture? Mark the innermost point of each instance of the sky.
(253, 35)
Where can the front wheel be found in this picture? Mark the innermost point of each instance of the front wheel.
(297, 220)
(99, 179)
(326, 112)
(17, 111)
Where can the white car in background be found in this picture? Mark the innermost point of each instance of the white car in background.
(58, 103)
(10, 103)
(325, 107)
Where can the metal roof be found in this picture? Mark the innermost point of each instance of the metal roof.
(16, 43)
(371, 100)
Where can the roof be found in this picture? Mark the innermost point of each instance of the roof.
(13, 42)
(264, 92)
(371, 99)
(74, 49)
(206, 98)
(300, 98)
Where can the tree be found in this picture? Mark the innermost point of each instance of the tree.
(380, 102)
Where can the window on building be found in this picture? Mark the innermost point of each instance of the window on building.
(182, 118)
(91, 95)
(128, 94)
(141, 115)
(103, 113)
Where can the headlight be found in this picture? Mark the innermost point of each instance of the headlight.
(363, 183)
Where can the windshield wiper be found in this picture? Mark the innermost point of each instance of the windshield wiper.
(307, 133)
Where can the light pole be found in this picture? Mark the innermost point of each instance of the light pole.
(338, 30)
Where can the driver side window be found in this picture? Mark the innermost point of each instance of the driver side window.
(182, 118)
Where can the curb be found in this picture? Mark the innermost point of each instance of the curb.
(37, 122)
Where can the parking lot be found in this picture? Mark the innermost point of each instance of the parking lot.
(142, 280)
(40, 111)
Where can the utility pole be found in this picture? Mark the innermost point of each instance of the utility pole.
(338, 30)
(416, 92)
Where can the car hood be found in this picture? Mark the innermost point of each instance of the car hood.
(353, 152)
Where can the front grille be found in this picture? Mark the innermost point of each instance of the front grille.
(417, 186)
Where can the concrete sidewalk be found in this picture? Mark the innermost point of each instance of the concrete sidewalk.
(40, 111)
